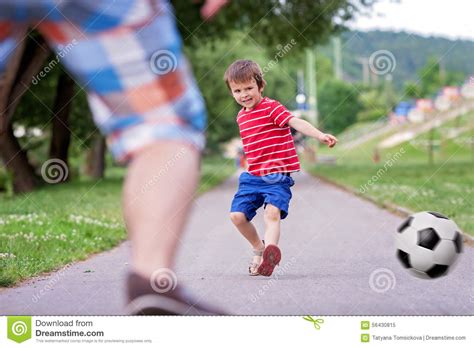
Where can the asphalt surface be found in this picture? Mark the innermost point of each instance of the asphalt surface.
(338, 258)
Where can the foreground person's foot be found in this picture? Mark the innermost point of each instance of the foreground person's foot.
(145, 299)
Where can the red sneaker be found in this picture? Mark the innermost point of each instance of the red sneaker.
(271, 258)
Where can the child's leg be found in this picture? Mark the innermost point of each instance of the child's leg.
(272, 224)
(247, 229)
(272, 254)
(156, 201)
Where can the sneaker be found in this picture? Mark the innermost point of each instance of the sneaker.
(271, 258)
(144, 300)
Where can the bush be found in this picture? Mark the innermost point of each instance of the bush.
(338, 105)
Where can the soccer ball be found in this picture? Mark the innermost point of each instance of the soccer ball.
(428, 244)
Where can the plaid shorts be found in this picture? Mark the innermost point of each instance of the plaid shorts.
(128, 56)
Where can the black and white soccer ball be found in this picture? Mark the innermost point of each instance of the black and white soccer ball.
(428, 244)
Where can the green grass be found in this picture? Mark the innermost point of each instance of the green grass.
(405, 177)
(214, 171)
(447, 190)
(58, 224)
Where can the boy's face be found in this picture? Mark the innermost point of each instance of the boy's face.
(247, 93)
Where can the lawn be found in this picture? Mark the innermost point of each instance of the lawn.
(58, 224)
(405, 177)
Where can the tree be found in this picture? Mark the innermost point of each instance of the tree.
(95, 160)
(25, 63)
(266, 23)
(373, 105)
(430, 78)
(263, 31)
(412, 90)
(410, 55)
(33, 99)
(272, 22)
(61, 133)
(338, 105)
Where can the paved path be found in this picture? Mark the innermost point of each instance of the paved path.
(332, 243)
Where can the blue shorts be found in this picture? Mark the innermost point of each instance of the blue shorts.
(255, 191)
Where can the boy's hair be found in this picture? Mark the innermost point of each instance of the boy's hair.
(243, 70)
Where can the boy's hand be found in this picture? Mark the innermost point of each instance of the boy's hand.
(328, 139)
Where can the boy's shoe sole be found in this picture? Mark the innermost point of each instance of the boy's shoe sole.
(271, 258)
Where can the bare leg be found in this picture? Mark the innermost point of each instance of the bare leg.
(160, 183)
(272, 224)
(247, 229)
(272, 254)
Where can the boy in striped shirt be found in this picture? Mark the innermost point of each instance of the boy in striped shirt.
(264, 126)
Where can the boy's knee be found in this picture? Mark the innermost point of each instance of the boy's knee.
(272, 213)
(238, 218)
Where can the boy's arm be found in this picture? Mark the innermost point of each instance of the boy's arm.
(307, 129)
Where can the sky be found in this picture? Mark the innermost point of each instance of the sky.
(453, 19)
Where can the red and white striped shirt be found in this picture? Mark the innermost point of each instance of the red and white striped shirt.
(267, 140)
